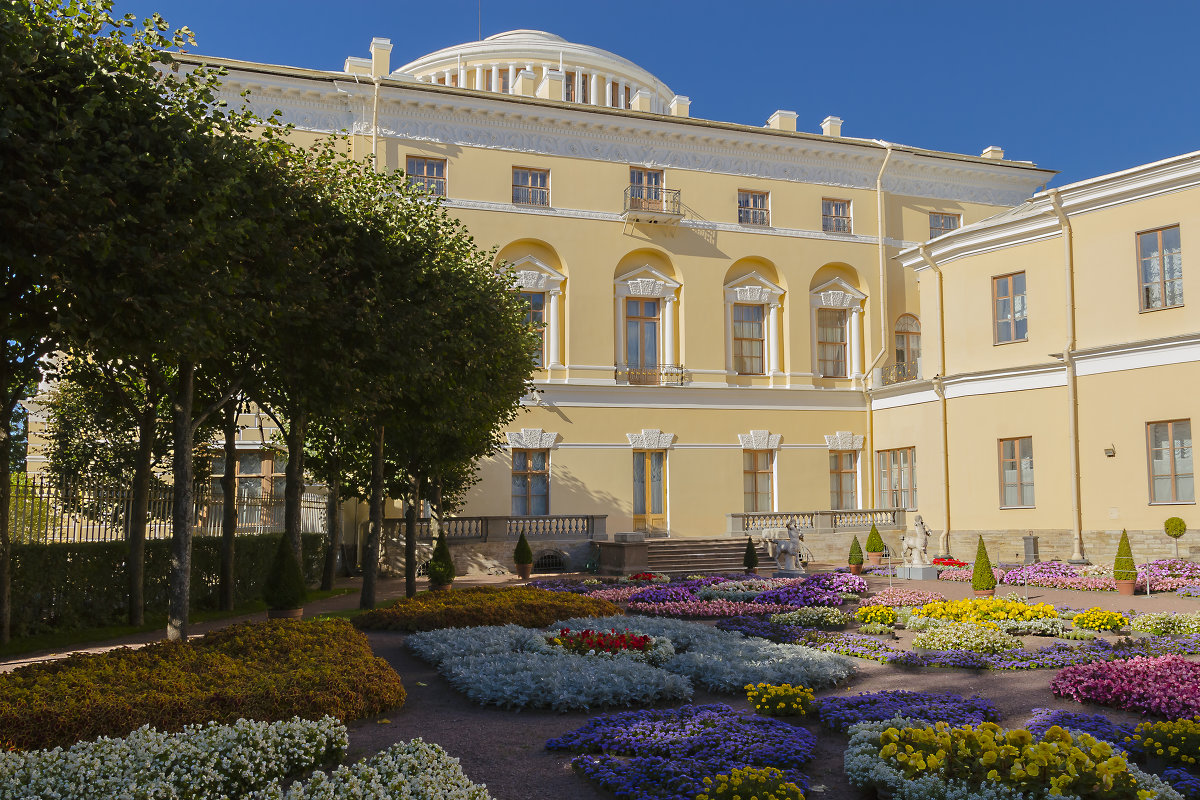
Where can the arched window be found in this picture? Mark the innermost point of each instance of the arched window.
(908, 351)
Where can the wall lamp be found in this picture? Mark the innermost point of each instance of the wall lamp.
(1110, 451)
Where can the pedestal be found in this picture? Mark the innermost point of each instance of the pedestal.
(928, 573)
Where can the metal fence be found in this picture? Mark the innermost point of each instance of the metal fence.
(43, 510)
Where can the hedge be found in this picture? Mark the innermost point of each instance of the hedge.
(59, 587)
(483, 605)
(265, 671)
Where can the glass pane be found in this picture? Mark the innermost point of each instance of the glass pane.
(1018, 283)
(1026, 453)
(650, 343)
(1162, 489)
(519, 461)
(218, 466)
(1027, 494)
(278, 487)
(1185, 490)
(1183, 447)
(539, 485)
(1173, 294)
(1007, 450)
(633, 346)
(537, 460)
(656, 483)
(539, 505)
(1152, 295)
(1011, 495)
(250, 488)
(1150, 269)
(1002, 287)
(847, 461)
(650, 308)
(763, 483)
(747, 481)
(747, 459)
(250, 464)
(764, 460)
(633, 308)
(639, 483)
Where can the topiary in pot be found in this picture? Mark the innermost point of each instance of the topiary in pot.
(983, 580)
(874, 546)
(1124, 570)
(750, 558)
(283, 589)
(1175, 527)
(855, 559)
(523, 557)
(441, 565)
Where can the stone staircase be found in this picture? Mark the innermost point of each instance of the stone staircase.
(687, 556)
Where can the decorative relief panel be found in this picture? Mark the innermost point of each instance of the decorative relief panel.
(650, 439)
(529, 279)
(760, 440)
(646, 287)
(843, 440)
(753, 294)
(533, 439)
(837, 300)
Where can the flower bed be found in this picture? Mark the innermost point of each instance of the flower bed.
(895, 596)
(1162, 576)
(966, 636)
(993, 609)
(780, 699)
(705, 608)
(917, 762)
(966, 575)
(849, 644)
(1095, 725)
(265, 671)
(482, 605)
(1097, 619)
(667, 753)
(1167, 624)
(1168, 686)
(1175, 741)
(651, 650)
(840, 712)
(876, 614)
(813, 617)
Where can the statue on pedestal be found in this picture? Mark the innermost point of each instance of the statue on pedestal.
(787, 551)
(914, 546)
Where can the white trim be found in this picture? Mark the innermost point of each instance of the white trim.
(760, 440)
(1122, 358)
(906, 399)
(742, 398)
(1002, 382)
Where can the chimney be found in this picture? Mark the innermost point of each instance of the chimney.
(525, 83)
(381, 55)
(782, 121)
(993, 152)
(642, 100)
(831, 126)
(681, 106)
(551, 87)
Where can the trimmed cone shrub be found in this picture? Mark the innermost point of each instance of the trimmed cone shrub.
(284, 586)
(441, 565)
(874, 541)
(982, 579)
(523, 553)
(750, 559)
(1175, 527)
(1123, 567)
(856, 554)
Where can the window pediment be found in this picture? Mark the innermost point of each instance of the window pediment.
(533, 439)
(836, 294)
(752, 288)
(646, 282)
(533, 275)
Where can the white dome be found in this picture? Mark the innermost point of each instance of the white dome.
(504, 54)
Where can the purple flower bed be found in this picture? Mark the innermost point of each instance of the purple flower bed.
(664, 594)
(840, 582)
(840, 712)
(812, 592)
(849, 644)
(1097, 725)
(665, 754)
(1183, 782)
(1168, 686)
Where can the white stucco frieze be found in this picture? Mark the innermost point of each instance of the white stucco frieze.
(843, 440)
(760, 440)
(650, 439)
(533, 439)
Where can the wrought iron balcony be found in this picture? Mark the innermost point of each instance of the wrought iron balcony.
(899, 373)
(660, 375)
(652, 204)
(754, 216)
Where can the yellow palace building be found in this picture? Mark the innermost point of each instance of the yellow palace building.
(744, 324)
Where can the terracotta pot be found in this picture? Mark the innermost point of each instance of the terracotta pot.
(439, 587)
(984, 592)
(855, 569)
(875, 559)
(524, 571)
(752, 571)
(285, 613)
(1125, 587)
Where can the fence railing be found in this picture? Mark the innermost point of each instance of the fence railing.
(654, 199)
(855, 520)
(44, 510)
(654, 375)
(485, 529)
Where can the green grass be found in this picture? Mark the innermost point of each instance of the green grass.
(63, 640)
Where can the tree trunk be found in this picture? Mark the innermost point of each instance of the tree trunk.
(410, 538)
(229, 505)
(181, 515)
(5, 542)
(139, 504)
(333, 519)
(370, 565)
(293, 487)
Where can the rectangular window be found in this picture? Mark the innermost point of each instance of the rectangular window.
(530, 483)
(1172, 476)
(428, 173)
(897, 477)
(843, 480)
(535, 317)
(1161, 257)
(530, 187)
(943, 223)
(641, 341)
(756, 480)
(1008, 308)
(748, 343)
(614, 95)
(1016, 472)
(831, 342)
(835, 216)
(752, 208)
(585, 88)
(645, 189)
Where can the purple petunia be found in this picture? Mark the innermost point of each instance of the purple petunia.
(840, 713)
(1168, 686)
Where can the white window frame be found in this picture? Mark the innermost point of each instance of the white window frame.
(754, 289)
(647, 283)
(533, 275)
(837, 294)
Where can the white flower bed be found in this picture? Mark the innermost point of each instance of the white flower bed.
(966, 636)
(1165, 624)
(514, 667)
(864, 768)
(202, 761)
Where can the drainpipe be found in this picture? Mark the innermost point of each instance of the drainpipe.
(1068, 357)
(940, 388)
(883, 326)
(375, 126)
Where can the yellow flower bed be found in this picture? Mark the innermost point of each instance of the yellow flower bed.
(980, 609)
(761, 783)
(1097, 619)
(1177, 741)
(1060, 763)
(780, 700)
(880, 615)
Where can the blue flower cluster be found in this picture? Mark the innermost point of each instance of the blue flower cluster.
(840, 712)
(665, 754)
(812, 592)
(1096, 725)
(664, 594)
(1183, 782)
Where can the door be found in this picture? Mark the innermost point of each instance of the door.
(649, 490)
(641, 341)
(645, 189)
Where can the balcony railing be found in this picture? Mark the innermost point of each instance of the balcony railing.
(660, 375)
(899, 373)
(854, 520)
(754, 216)
(652, 203)
(435, 186)
(483, 529)
(530, 196)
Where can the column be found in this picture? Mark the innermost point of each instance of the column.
(608, 91)
(669, 331)
(462, 76)
(855, 344)
(578, 86)
(478, 77)
(621, 93)
(552, 330)
(595, 98)
(773, 337)
(495, 87)
(512, 77)
(619, 316)
(446, 77)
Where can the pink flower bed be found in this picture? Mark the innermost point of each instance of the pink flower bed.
(706, 608)
(895, 596)
(1168, 686)
(965, 575)
(1165, 575)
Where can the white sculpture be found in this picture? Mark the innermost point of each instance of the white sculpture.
(787, 551)
(913, 547)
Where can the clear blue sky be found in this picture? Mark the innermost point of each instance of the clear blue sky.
(1084, 88)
